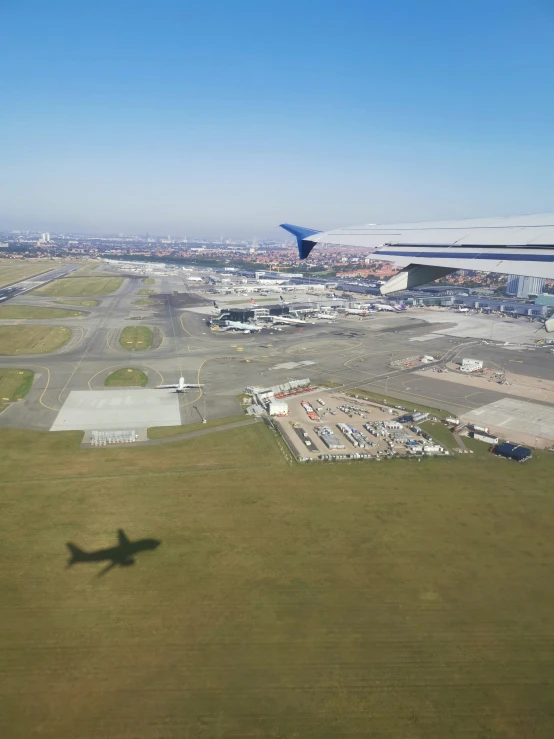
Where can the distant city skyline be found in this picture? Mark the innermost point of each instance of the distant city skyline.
(230, 118)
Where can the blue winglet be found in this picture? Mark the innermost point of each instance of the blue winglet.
(302, 236)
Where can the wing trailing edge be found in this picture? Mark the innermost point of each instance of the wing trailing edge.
(414, 275)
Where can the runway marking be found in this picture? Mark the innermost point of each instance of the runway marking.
(104, 369)
(439, 398)
(102, 324)
(81, 329)
(40, 366)
(163, 338)
(110, 333)
(157, 371)
(118, 366)
(294, 347)
(188, 332)
(44, 391)
(201, 391)
(177, 354)
(369, 354)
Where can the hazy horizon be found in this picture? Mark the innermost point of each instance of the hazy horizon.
(227, 119)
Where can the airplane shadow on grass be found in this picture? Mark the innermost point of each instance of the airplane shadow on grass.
(120, 556)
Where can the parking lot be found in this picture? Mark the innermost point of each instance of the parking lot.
(337, 426)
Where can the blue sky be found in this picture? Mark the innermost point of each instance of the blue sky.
(208, 118)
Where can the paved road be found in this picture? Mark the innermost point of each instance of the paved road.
(350, 351)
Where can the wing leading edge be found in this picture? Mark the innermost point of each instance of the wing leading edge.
(518, 245)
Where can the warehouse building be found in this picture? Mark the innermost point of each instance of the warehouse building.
(277, 407)
(471, 365)
(247, 315)
(512, 451)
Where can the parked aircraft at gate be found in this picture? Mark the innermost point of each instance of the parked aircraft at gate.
(517, 245)
(246, 327)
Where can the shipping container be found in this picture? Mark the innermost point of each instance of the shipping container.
(480, 429)
(484, 437)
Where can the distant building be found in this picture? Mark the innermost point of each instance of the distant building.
(277, 408)
(522, 287)
(543, 299)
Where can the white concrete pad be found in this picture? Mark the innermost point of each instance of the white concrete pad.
(424, 337)
(131, 408)
(516, 416)
(479, 326)
(291, 365)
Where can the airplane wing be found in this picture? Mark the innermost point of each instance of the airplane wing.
(165, 387)
(518, 245)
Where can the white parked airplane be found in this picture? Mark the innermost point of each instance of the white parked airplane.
(356, 312)
(246, 327)
(326, 316)
(517, 245)
(382, 306)
(288, 320)
(462, 310)
(180, 387)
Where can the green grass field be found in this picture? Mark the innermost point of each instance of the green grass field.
(440, 433)
(395, 599)
(80, 287)
(32, 312)
(149, 281)
(32, 339)
(136, 338)
(126, 378)
(14, 270)
(162, 432)
(142, 301)
(145, 291)
(88, 303)
(86, 268)
(14, 385)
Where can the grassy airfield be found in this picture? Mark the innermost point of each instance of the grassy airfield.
(163, 432)
(127, 377)
(80, 287)
(136, 338)
(394, 599)
(88, 303)
(25, 339)
(32, 312)
(14, 385)
(15, 270)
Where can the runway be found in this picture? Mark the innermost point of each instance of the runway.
(352, 351)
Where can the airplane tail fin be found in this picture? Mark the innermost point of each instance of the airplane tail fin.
(77, 555)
